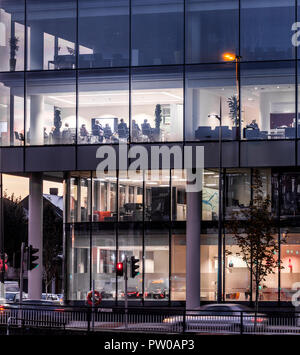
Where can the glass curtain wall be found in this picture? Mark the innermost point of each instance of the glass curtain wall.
(51, 34)
(103, 33)
(11, 109)
(50, 108)
(12, 35)
(210, 92)
(157, 32)
(100, 232)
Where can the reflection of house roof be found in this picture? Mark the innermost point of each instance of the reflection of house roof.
(52, 200)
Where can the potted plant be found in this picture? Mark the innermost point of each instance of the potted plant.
(158, 120)
(234, 108)
(13, 51)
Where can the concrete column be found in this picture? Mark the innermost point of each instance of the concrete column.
(108, 186)
(193, 225)
(135, 191)
(78, 200)
(126, 193)
(35, 233)
(36, 135)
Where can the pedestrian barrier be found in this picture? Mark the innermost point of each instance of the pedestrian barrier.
(156, 320)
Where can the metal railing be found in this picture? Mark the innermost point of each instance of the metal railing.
(156, 320)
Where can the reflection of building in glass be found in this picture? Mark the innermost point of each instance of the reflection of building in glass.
(77, 74)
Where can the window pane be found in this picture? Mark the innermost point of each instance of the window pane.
(178, 195)
(130, 241)
(104, 259)
(157, 32)
(268, 100)
(237, 274)
(103, 33)
(210, 195)
(103, 113)
(290, 257)
(12, 35)
(157, 195)
(208, 89)
(211, 30)
(237, 190)
(178, 264)
(157, 105)
(80, 197)
(104, 197)
(51, 34)
(157, 262)
(130, 196)
(208, 264)
(11, 109)
(78, 267)
(51, 112)
(262, 38)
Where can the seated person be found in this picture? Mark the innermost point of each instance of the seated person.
(135, 130)
(83, 131)
(107, 132)
(98, 131)
(252, 125)
(146, 128)
(67, 135)
(122, 129)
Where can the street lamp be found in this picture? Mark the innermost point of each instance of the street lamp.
(220, 241)
(231, 57)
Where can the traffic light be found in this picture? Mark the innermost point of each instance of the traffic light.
(133, 267)
(120, 269)
(31, 258)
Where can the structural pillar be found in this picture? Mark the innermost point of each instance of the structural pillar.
(193, 226)
(35, 233)
(36, 132)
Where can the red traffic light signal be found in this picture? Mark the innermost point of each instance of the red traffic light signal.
(120, 269)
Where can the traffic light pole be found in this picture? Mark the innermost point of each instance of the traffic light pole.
(21, 283)
(22, 271)
(126, 293)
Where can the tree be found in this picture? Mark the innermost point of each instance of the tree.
(15, 227)
(52, 244)
(253, 229)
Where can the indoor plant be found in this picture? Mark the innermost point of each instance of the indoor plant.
(13, 51)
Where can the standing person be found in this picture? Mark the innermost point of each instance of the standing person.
(122, 129)
(66, 134)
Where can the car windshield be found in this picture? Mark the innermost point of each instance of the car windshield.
(10, 296)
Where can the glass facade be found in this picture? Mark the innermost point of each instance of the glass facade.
(151, 71)
(157, 236)
(78, 73)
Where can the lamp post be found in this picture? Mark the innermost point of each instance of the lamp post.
(231, 57)
(220, 239)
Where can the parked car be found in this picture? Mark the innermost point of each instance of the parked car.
(13, 297)
(132, 292)
(38, 313)
(11, 286)
(50, 297)
(216, 317)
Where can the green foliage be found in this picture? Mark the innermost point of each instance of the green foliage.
(15, 226)
(14, 46)
(233, 104)
(52, 243)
